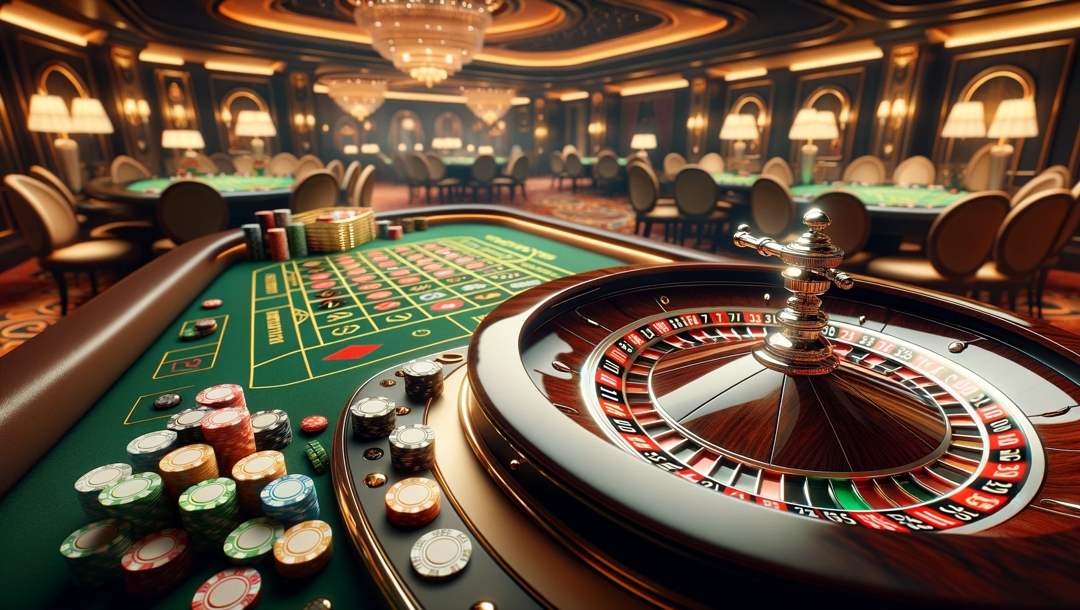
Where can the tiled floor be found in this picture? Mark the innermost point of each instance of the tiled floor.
(29, 303)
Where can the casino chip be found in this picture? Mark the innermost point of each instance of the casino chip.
(441, 553)
(229, 431)
(272, 429)
(314, 424)
(231, 589)
(186, 466)
(209, 511)
(252, 473)
(206, 326)
(89, 486)
(93, 551)
(146, 450)
(317, 456)
(189, 333)
(372, 417)
(423, 379)
(412, 447)
(304, 550)
(413, 502)
(138, 499)
(167, 401)
(253, 540)
(212, 303)
(156, 563)
(290, 499)
(187, 425)
(221, 396)
(319, 603)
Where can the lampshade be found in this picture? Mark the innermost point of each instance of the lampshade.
(255, 123)
(350, 149)
(739, 127)
(182, 138)
(811, 124)
(965, 121)
(88, 116)
(485, 150)
(1014, 119)
(49, 114)
(446, 143)
(643, 141)
(370, 148)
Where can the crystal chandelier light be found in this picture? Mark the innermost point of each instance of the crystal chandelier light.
(359, 97)
(429, 40)
(489, 104)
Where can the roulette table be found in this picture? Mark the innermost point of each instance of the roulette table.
(624, 425)
(245, 194)
(90, 384)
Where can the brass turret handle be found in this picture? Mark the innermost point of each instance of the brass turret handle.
(799, 348)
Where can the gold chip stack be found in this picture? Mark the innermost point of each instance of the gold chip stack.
(413, 502)
(186, 466)
(252, 473)
(304, 550)
(337, 229)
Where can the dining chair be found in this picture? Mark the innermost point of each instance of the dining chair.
(866, 169)
(778, 169)
(188, 209)
(318, 189)
(649, 208)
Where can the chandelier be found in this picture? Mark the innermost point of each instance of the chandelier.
(359, 97)
(429, 40)
(489, 104)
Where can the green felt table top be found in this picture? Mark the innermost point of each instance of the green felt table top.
(886, 195)
(592, 161)
(466, 160)
(286, 353)
(224, 183)
(733, 179)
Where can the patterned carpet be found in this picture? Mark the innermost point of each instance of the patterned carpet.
(29, 302)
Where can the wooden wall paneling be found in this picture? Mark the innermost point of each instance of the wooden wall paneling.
(44, 65)
(130, 105)
(303, 122)
(233, 93)
(176, 105)
(819, 89)
(1040, 66)
(597, 123)
(896, 104)
(655, 112)
(751, 97)
(697, 120)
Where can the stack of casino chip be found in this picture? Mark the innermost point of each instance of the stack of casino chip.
(290, 499)
(422, 223)
(89, 486)
(157, 563)
(423, 379)
(296, 233)
(265, 219)
(304, 550)
(221, 396)
(253, 473)
(253, 541)
(145, 451)
(372, 417)
(93, 551)
(231, 589)
(277, 244)
(282, 217)
(413, 502)
(253, 239)
(272, 428)
(187, 425)
(209, 511)
(408, 225)
(383, 228)
(395, 232)
(229, 432)
(412, 447)
(317, 456)
(181, 468)
(140, 500)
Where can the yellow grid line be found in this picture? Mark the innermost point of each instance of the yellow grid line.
(438, 283)
(385, 278)
(307, 301)
(352, 293)
(217, 347)
(127, 418)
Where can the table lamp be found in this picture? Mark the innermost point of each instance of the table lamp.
(255, 124)
(811, 124)
(642, 143)
(485, 150)
(370, 148)
(965, 120)
(739, 128)
(1014, 119)
(350, 149)
(187, 140)
(49, 114)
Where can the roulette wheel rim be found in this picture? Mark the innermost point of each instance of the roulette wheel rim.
(566, 457)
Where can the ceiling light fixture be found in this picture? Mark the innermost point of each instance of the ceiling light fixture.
(156, 57)
(241, 68)
(744, 74)
(43, 22)
(360, 97)
(654, 87)
(573, 96)
(430, 40)
(489, 104)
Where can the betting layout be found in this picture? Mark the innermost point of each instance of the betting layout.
(321, 316)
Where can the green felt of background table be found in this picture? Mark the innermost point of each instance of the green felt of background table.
(464, 160)
(592, 161)
(885, 195)
(733, 179)
(41, 510)
(224, 184)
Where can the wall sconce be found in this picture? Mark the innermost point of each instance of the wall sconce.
(540, 132)
(695, 122)
(883, 111)
(310, 120)
(299, 120)
(596, 128)
(899, 108)
(136, 111)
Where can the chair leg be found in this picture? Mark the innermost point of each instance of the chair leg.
(1039, 289)
(1012, 293)
(93, 283)
(61, 285)
(637, 226)
(524, 197)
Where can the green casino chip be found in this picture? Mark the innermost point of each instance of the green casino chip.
(253, 539)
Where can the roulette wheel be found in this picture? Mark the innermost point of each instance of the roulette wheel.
(695, 438)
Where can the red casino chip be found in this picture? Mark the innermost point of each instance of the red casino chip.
(212, 303)
(313, 424)
(232, 589)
